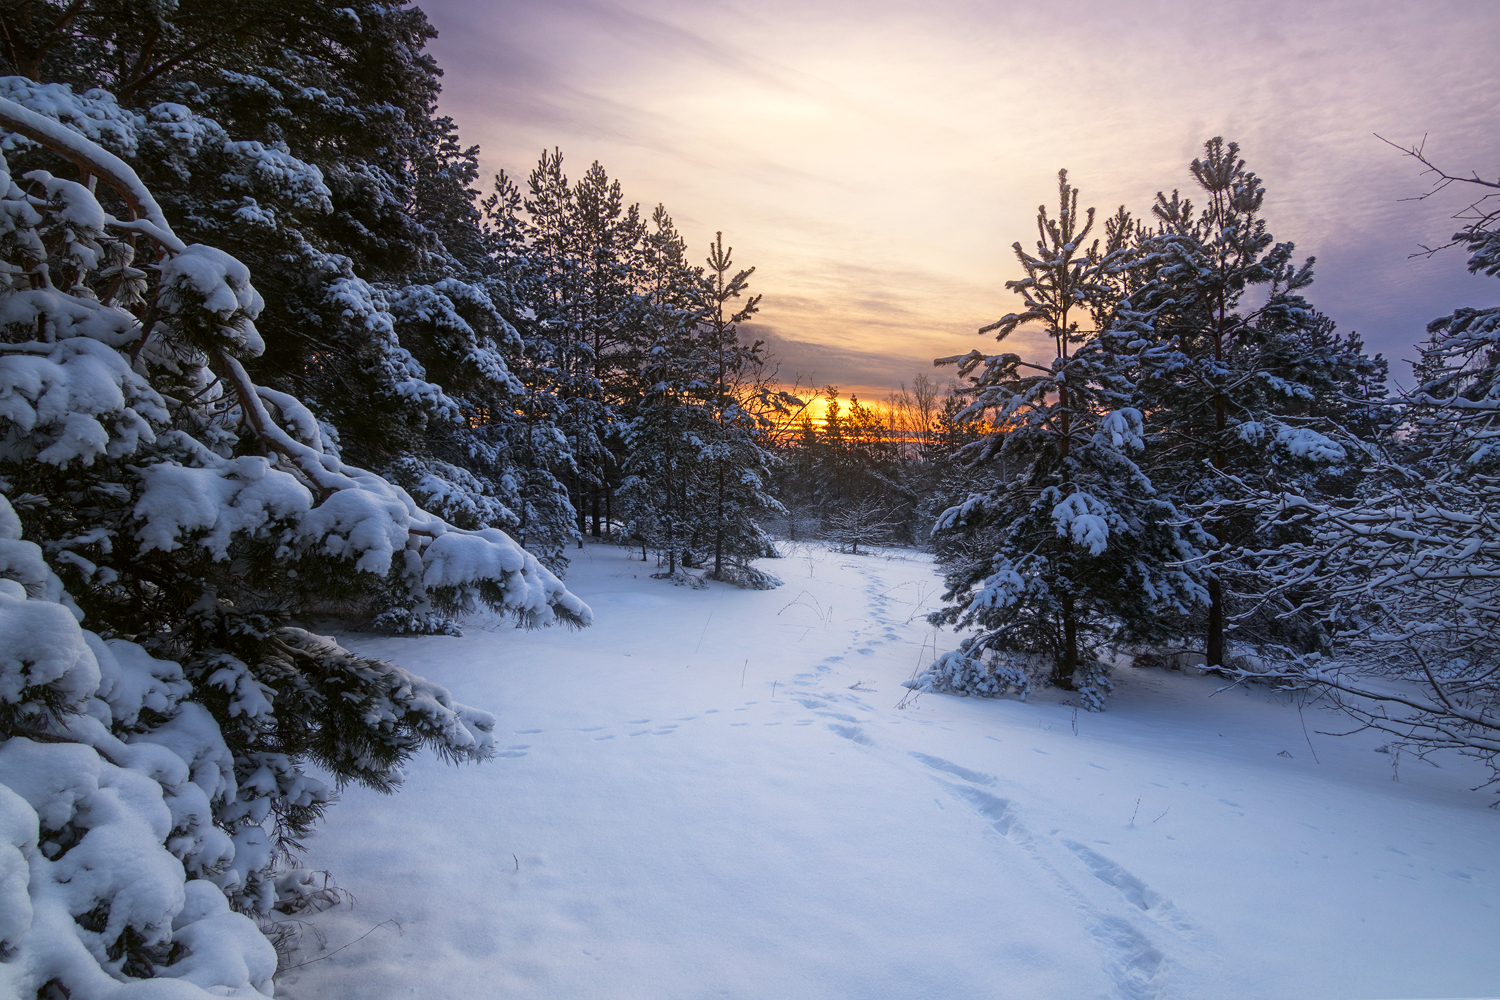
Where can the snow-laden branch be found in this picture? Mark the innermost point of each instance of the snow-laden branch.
(92, 159)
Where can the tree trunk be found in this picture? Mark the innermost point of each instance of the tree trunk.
(1215, 644)
(1067, 665)
(1215, 652)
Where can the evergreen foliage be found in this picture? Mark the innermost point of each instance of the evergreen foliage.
(1248, 389)
(150, 488)
(1079, 550)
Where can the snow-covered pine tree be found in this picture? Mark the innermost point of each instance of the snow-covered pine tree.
(586, 244)
(541, 453)
(667, 426)
(697, 472)
(153, 768)
(742, 405)
(1245, 376)
(304, 140)
(1070, 547)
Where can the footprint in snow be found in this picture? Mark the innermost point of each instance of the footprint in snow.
(1136, 965)
(938, 763)
(589, 729)
(865, 651)
(529, 732)
(1133, 961)
(609, 737)
(511, 753)
(739, 723)
(636, 722)
(998, 811)
(853, 733)
(1136, 892)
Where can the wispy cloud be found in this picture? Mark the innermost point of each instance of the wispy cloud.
(875, 161)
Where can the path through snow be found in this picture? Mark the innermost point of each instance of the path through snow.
(715, 794)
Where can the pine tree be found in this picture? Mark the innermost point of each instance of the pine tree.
(667, 424)
(541, 455)
(1243, 388)
(1078, 549)
(741, 405)
(190, 517)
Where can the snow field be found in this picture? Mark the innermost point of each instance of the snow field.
(714, 794)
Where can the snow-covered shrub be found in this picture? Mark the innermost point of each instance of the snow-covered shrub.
(985, 674)
(681, 577)
(746, 577)
(152, 781)
(974, 671)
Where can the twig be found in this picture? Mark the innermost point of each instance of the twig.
(704, 633)
(743, 671)
(1307, 737)
(773, 689)
(517, 861)
(1137, 809)
(1163, 813)
(357, 940)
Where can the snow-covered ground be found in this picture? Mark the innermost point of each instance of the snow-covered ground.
(719, 793)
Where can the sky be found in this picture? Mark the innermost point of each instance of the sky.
(875, 161)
